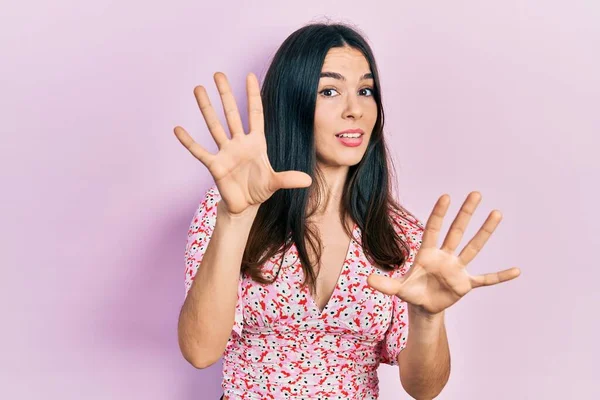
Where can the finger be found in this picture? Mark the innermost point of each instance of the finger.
(481, 237)
(385, 284)
(232, 115)
(291, 180)
(197, 151)
(256, 118)
(210, 116)
(434, 222)
(495, 277)
(459, 225)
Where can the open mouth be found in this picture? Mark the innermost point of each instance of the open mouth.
(349, 135)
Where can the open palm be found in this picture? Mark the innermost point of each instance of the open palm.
(438, 278)
(241, 169)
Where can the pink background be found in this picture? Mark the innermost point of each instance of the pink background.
(97, 193)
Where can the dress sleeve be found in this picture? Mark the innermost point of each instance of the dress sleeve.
(410, 229)
(198, 236)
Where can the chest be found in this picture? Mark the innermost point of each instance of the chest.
(336, 246)
(344, 301)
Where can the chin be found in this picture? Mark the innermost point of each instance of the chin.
(350, 162)
(341, 161)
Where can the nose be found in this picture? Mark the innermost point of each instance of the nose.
(353, 108)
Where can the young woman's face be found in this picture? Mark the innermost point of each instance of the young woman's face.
(344, 102)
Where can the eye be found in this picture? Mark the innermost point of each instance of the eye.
(327, 92)
(369, 89)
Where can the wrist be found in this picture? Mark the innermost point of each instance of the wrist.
(420, 313)
(426, 327)
(245, 217)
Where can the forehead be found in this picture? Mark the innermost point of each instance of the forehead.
(348, 59)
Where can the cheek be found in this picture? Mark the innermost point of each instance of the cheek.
(323, 115)
(321, 144)
(371, 111)
(324, 124)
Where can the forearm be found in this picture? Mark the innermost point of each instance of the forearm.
(207, 315)
(425, 362)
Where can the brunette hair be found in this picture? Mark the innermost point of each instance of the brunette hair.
(289, 94)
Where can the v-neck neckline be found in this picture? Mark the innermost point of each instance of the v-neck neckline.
(316, 307)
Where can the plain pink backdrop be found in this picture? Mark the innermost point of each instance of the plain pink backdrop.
(97, 193)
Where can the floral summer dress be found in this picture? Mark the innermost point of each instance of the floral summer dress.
(283, 347)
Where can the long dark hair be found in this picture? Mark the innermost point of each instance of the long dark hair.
(289, 95)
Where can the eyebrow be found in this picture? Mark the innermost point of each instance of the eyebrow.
(341, 77)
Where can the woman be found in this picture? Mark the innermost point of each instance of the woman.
(305, 279)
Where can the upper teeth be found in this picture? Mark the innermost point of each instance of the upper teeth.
(350, 135)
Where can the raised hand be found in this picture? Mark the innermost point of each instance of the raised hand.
(241, 168)
(438, 278)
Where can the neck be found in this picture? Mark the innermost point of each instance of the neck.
(333, 180)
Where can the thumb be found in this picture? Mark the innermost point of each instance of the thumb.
(292, 180)
(385, 284)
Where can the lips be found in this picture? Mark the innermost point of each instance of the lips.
(350, 142)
